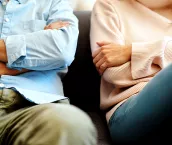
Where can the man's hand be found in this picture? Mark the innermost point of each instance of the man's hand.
(110, 55)
(57, 25)
(7, 71)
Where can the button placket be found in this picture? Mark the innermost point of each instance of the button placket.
(6, 21)
(4, 3)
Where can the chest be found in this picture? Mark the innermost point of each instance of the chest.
(145, 30)
(139, 24)
(22, 18)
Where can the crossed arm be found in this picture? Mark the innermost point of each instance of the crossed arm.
(4, 70)
(145, 57)
(110, 55)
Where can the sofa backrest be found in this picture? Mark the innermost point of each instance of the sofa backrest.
(82, 82)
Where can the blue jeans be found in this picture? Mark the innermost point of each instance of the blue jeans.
(146, 117)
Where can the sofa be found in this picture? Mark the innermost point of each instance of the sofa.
(82, 82)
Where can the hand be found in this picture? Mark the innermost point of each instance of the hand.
(4, 70)
(56, 25)
(110, 55)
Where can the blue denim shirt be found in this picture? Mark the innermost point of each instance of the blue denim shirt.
(47, 52)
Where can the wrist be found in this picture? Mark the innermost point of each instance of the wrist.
(128, 50)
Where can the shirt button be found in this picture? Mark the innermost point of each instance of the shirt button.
(2, 85)
(4, 3)
(13, 57)
(7, 20)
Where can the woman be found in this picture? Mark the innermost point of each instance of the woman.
(131, 44)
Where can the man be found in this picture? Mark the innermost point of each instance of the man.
(38, 42)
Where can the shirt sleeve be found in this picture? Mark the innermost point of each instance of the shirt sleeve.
(46, 49)
(105, 25)
(149, 57)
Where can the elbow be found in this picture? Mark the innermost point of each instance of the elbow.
(67, 59)
(68, 54)
(69, 46)
(59, 62)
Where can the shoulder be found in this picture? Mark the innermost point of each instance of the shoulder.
(112, 5)
(52, 2)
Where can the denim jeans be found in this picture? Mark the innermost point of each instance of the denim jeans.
(25, 123)
(145, 118)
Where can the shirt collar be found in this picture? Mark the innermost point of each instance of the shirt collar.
(20, 1)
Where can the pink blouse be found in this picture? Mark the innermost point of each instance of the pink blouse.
(129, 22)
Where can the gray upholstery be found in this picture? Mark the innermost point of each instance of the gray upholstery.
(103, 134)
(82, 83)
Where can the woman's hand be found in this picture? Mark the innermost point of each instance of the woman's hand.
(110, 55)
(56, 25)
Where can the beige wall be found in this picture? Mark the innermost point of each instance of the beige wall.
(80, 5)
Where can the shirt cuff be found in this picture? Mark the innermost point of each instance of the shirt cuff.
(15, 48)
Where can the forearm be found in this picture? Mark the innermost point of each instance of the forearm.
(3, 58)
(42, 50)
(14, 72)
(46, 49)
(3, 53)
(4, 70)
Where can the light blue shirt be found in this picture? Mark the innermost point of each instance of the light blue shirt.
(47, 52)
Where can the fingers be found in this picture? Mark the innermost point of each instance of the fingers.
(97, 58)
(47, 27)
(95, 53)
(102, 68)
(102, 43)
(102, 65)
(56, 25)
(100, 62)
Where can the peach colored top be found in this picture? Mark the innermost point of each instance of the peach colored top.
(129, 22)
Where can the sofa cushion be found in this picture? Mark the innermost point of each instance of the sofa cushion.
(82, 82)
(100, 123)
